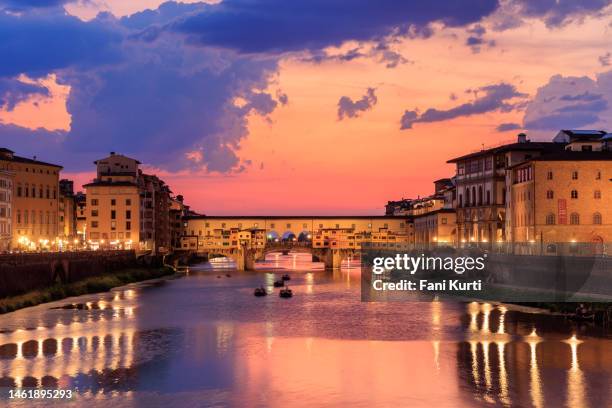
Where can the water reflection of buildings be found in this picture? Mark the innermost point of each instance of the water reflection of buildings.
(506, 364)
(93, 347)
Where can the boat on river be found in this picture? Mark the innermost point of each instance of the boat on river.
(286, 292)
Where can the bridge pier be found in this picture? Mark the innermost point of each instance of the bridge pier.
(246, 258)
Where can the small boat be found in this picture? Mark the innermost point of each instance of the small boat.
(279, 283)
(260, 292)
(286, 277)
(228, 275)
(285, 293)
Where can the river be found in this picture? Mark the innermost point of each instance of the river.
(204, 340)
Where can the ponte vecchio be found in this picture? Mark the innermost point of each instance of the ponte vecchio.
(247, 239)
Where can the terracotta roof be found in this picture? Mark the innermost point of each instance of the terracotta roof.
(551, 146)
(19, 159)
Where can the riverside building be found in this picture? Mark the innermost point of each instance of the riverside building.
(563, 197)
(35, 199)
(481, 188)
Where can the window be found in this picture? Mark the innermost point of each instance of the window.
(94, 213)
(444, 221)
(18, 216)
(113, 225)
(488, 197)
(597, 218)
(597, 194)
(94, 201)
(550, 219)
(18, 190)
(550, 194)
(113, 215)
(128, 214)
(587, 148)
(113, 201)
(574, 175)
(48, 192)
(27, 190)
(574, 219)
(574, 194)
(128, 226)
(128, 201)
(94, 224)
(598, 175)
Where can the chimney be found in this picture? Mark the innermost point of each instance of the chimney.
(522, 138)
(112, 153)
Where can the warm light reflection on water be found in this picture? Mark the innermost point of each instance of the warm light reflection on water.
(207, 341)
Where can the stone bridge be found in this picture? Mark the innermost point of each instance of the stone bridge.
(246, 258)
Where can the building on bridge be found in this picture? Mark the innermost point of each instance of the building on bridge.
(204, 232)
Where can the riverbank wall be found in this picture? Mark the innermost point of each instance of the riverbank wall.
(22, 273)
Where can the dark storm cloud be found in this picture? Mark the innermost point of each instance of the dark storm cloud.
(278, 26)
(13, 91)
(558, 12)
(23, 4)
(506, 127)
(570, 102)
(35, 43)
(347, 108)
(496, 98)
(554, 13)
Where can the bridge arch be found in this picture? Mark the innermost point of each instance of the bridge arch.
(272, 236)
(304, 236)
(288, 236)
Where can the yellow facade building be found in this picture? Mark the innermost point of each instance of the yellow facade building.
(113, 204)
(438, 227)
(562, 198)
(6, 198)
(35, 201)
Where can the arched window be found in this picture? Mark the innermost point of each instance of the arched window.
(597, 194)
(574, 175)
(488, 197)
(574, 194)
(550, 194)
(460, 200)
(473, 196)
(550, 219)
(597, 218)
(467, 197)
(574, 219)
(480, 195)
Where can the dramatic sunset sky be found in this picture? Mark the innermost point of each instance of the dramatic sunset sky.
(301, 106)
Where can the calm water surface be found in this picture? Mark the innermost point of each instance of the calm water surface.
(205, 340)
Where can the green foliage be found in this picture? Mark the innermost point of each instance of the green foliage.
(90, 285)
